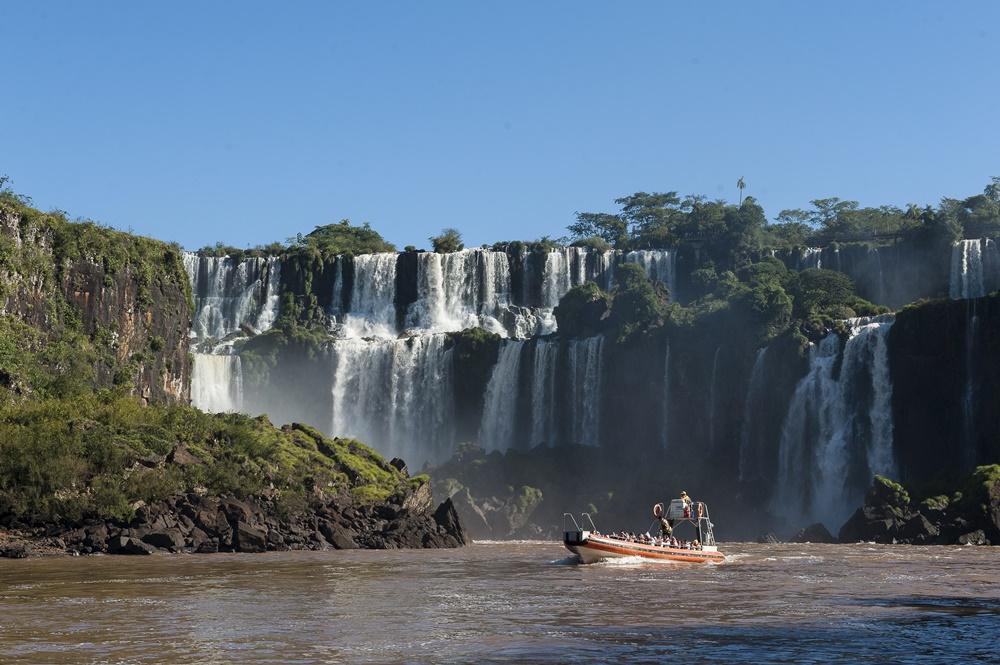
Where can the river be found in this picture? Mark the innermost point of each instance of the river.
(507, 602)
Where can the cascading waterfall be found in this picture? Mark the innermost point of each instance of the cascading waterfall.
(811, 257)
(395, 395)
(543, 393)
(975, 268)
(658, 264)
(461, 290)
(217, 383)
(711, 397)
(584, 386)
(497, 430)
(840, 419)
(229, 293)
(754, 386)
(565, 380)
(372, 311)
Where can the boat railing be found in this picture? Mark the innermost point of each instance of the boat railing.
(573, 519)
(593, 527)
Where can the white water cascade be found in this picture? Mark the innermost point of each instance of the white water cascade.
(584, 387)
(659, 265)
(975, 268)
(840, 417)
(395, 395)
(217, 383)
(499, 423)
(564, 383)
(754, 386)
(229, 293)
(543, 393)
(373, 312)
(389, 373)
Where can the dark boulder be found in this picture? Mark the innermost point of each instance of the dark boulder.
(919, 530)
(814, 533)
(883, 517)
(165, 539)
(249, 538)
(340, 537)
(129, 545)
(15, 551)
(399, 465)
(447, 519)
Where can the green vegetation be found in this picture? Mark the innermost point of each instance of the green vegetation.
(450, 240)
(99, 454)
(342, 238)
(729, 235)
(581, 312)
(52, 270)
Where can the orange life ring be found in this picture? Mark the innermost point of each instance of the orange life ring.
(658, 510)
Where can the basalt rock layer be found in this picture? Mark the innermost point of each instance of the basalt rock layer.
(193, 523)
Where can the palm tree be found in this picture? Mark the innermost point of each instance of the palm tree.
(741, 185)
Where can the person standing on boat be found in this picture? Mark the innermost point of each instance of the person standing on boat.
(665, 529)
(687, 504)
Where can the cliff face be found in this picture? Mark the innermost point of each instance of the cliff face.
(946, 377)
(121, 302)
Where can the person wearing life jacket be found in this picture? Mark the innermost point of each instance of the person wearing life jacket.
(687, 504)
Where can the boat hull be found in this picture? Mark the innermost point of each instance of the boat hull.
(592, 549)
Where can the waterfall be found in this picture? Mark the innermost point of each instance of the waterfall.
(565, 379)
(754, 387)
(585, 359)
(658, 264)
(840, 419)
(461, 290)
(372, 311)
(229, 293)
(711, 397)
(975, 268)
(395, 395)
(811, 257)
(216, 383)
(543, 393)
(498, 426)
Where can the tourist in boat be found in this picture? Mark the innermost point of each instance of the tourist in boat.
(665, 529)
(687, 504)
(695, 545)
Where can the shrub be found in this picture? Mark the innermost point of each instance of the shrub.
(450, 240)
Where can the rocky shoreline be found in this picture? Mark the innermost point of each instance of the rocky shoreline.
(970, 516)
(192, 523)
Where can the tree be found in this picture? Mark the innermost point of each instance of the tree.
(582, 310)
(741, 185)
(344, 238)
(450, 240)
(638, 303)
(613, 229)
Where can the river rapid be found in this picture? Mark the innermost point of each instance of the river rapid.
(506, 602)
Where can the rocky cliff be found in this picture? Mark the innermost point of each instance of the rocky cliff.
(118, 304)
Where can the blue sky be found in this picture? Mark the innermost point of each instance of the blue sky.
(247, 122)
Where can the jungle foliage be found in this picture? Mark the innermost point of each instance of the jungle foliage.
(98, 454)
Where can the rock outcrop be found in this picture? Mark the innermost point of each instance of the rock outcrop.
(200, 524)
(968, 517)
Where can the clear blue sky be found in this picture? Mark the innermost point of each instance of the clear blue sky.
(247, 121)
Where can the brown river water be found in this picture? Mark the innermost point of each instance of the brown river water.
(506, 602)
